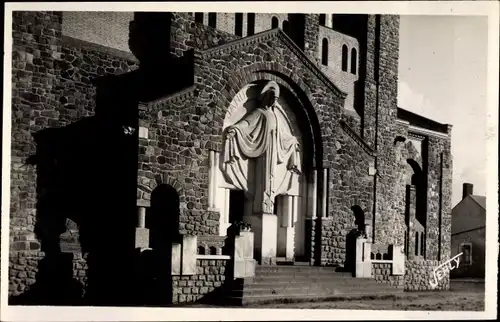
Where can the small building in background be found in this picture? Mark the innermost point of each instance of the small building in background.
(468, 232)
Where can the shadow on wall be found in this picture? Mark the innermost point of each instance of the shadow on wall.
(162, 219)
(54, 285)
(351, 237)
(87, 172)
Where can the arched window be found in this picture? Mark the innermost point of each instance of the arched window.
(322, 19)
(213, 250)
(274, 22)
(416, 243)
(354, 58)
(286, 27)
(344, 58)
(201, 250)
(250, 24)
(422, 244)
(212, 19)
(198, 17)
(324, 52)
(238, 24)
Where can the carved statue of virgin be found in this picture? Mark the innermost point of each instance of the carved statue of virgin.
(260, 132)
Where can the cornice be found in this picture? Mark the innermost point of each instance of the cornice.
(268, 35)
(174, 98)
(416, 136)
(347, 129)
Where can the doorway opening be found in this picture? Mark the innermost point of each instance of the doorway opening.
(236, 205)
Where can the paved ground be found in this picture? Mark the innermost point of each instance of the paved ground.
(462, 296)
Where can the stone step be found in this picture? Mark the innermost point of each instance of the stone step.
(306, 281)
(304, 267)
(301, 270)
(298, 276)
(255, 290)
(306, 297)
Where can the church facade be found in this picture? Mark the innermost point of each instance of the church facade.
(266, 138)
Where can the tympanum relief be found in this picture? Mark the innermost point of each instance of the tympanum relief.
(261, 154)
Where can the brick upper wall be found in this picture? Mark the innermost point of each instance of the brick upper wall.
(108, 29)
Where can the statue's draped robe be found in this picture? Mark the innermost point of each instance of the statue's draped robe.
(259, 132)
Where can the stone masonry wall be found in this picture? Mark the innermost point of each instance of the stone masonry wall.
(382, 273)
(24, 267)
(187, 34)
(186, 126)
(51, 88)
(177, 147)
(418, 273)
(439, 181)
(350, 185)
(389, 228)
(211, 275)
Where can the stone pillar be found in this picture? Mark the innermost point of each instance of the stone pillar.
(324, 195)
(363, 261)
(141, 232)
(398, 260)
(329, 21)
(176, 258)
(311, 32)
(289, 231)
(211, 180)
(264, 227)
(264, 221)
(368, 230)
(313, 196)
(142, 217)
(189, 252)
(410, 214)
(244, 262)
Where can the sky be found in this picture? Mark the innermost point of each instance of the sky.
(442, 75)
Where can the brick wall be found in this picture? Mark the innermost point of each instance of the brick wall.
(110, 29)
(345, 80)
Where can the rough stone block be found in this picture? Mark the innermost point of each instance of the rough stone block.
(398, 264)
(176, 259)
(143, 132)
(189, 250)
(243, 246)
(141, 238)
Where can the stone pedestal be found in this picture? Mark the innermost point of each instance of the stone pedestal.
(189, 250)
(141, 238)
(363, 262)
(286, 230)
(398, 260)
(184, 256)
(176, 258)
(244, 262)
(264, 227)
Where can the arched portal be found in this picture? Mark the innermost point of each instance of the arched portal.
(260, 171)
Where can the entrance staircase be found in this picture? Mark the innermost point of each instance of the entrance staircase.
(301, 282)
